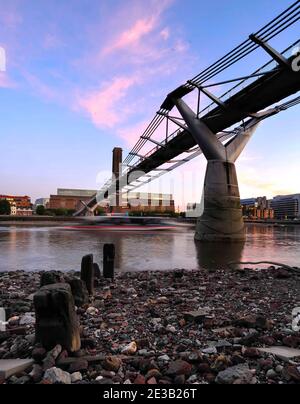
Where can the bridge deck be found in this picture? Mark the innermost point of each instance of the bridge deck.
(265, 91)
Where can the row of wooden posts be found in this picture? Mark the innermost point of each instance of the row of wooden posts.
(56, 319)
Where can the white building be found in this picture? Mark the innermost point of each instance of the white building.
(13, 209)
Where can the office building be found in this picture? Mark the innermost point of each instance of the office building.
(286, 206)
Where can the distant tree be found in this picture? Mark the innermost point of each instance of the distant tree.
(61, 212)
(4, 207)
(100, 211)
(40, 210)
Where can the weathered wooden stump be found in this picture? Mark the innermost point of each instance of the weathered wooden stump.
(56, 320)
(79, 291)
(108, 261)
(87, 272)
(97, 272)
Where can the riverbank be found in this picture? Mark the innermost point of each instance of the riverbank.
(179, 327)
(32, 220)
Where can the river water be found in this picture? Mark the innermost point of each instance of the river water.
(35, 248)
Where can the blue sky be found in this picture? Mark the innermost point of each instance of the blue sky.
(84, 76)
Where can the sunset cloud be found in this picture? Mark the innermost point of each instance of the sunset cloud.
(133, 35)
(102, 105)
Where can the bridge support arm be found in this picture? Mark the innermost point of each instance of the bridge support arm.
(212, 148)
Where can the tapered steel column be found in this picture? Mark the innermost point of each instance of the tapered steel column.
(222, 219)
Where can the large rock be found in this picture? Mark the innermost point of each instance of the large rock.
(254, 321)
(51, 277)
(236, 374)
(57, 376)
(10, 367)
(56, 320)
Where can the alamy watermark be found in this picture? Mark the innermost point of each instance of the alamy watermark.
(296, 61)
(2, 60)
(3, 322)
(296, 319)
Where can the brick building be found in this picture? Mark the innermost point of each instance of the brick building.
(70, 198)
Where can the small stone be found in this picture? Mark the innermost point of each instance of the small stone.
(271, 374)
(140, 379)
(57, 376)
(291, 341)
(129, 349)
(79, 366)
(92, 311)
(27, 319)
(180, 379)
(251, 353)
(179, 367)
(164, 358)
(76, 377)
(37, 373)
(204, 368)
(38, 354)
(171, 329)
(232, 374)
(294, 373)
(210, 351)
(112, 363)
(153, 373)
(195, 316)
(56, 351)
(253, 321)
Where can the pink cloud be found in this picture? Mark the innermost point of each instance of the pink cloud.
(145, 22)
(131, 134)
(132, 36)
(39, 87)
(102, 105)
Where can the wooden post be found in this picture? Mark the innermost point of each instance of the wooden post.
(56, 320)
(108, 261)
(87, 272)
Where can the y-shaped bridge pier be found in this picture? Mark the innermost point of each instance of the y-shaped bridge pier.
(222, 219)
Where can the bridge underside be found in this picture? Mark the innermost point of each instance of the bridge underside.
(268, 90)
(271, 88)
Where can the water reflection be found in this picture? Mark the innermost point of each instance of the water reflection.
(45, 248)
(218, 255)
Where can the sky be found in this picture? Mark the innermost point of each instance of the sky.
(85, 76)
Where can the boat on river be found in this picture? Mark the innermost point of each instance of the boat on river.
(122, 223)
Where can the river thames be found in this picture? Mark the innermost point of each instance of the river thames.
(35, 248)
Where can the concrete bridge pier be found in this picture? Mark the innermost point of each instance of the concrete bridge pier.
(222, 219)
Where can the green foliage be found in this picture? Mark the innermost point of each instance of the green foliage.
(5, 207)
(60, 212)
(100, 211)
(41, 210)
